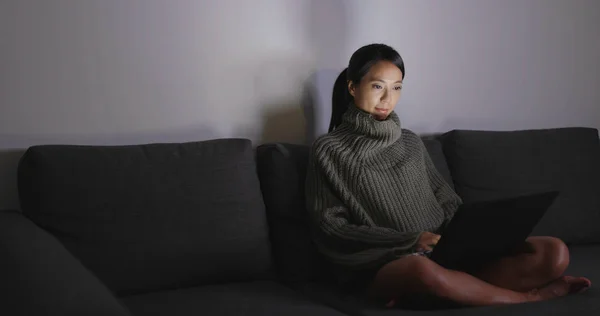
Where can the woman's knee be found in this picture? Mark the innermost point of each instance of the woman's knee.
(559, 256)
(554, 255)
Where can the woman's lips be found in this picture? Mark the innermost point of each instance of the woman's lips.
(380, 110)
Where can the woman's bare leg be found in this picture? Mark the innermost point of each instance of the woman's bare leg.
(540, 261)
(420, 275)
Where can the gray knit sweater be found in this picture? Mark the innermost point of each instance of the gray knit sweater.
(371, 191)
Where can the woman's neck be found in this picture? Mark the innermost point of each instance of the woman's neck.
(385, 131)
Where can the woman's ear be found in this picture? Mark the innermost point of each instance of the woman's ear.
(351, 88)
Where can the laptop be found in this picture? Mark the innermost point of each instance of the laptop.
(485, 231)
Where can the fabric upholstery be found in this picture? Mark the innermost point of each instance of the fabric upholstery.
(38, 276)
(256, 298)
(152, 216)
(493, 165)
(282, 173)
(436, 152)
(585, 260)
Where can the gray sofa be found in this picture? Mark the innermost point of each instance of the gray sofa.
(219, 227)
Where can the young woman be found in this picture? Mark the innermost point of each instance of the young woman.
(378, 204)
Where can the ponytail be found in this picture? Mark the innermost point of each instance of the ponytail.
(340, 100)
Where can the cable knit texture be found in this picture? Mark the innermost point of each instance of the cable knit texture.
(372, 189)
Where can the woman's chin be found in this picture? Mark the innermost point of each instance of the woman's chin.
(380, 116)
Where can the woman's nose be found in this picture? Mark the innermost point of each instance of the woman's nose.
(385, 98)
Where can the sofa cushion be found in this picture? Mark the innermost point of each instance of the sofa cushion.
(585, 260)
(489, 165)
(282, 173)
(40, 277)
(256, 298)
(152, 216)
(436, 152)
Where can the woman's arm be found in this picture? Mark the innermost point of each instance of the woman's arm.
(341, 240)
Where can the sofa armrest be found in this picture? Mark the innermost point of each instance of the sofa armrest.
(38, 276)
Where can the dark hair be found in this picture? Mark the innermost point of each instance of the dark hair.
(360, 63)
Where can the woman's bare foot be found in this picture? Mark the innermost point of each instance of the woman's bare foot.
(562, 286)
(578, 284)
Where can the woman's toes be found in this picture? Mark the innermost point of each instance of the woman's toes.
(578, 284)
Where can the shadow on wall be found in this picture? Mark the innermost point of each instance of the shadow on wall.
(328, 22)
(278, 87)
(317, 102)
(302, 118)
(278, 84)
(308, 108)
(284, 123)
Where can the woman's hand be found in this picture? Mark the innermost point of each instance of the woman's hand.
(427, 241)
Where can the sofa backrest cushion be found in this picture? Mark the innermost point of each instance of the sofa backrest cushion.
(436, 152)
(155, 216)
(282, 173)
(488, 165)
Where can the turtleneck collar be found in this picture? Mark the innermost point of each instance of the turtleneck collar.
(364, 124)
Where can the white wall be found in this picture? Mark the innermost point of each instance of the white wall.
(127, 71)
(119, 72)
(485, 64)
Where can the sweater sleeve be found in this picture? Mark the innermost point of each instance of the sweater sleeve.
(339, 238)
(445, 195)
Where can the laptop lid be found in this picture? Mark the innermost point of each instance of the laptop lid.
(485, 231)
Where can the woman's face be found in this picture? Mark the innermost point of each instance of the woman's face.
(379, 90)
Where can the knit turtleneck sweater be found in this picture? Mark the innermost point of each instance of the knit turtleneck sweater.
(371, 191)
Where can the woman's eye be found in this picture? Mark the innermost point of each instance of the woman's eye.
(376, 86)
(398, 88)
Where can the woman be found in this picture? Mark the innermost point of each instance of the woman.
(378, 204)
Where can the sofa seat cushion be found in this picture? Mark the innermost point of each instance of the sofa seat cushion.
(488, 165)
(150, 217)
(253, 298)
(585, 261)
